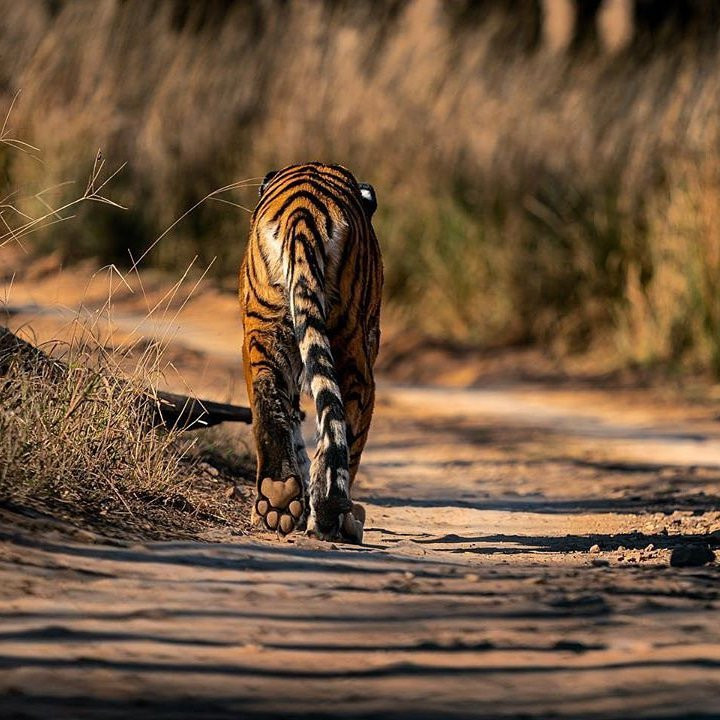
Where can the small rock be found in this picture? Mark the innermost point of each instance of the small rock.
(594, 549)
(210, 469)
(650, 548)
(600, 562)
(622, 548)
(230, 492)
(692, 555)
(472, 577)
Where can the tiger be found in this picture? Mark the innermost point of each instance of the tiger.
(310, 291)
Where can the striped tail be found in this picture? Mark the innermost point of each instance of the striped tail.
(329, 476)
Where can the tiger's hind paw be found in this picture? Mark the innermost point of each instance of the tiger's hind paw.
(348, 526)
(279, 506)
(353, 524)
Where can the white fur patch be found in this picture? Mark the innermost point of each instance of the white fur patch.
(343, 480)
(320, 383)
(335, 242)
(343, 477)
(337, 430)
(273, 253)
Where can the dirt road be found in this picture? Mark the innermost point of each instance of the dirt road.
(516, 565)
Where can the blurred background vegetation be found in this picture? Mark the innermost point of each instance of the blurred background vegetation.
(547, 170)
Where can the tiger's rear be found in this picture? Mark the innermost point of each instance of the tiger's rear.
(310, 286)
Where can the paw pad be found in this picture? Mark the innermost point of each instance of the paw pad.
(279, 504)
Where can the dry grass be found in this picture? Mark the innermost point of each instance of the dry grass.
(80, 443)
(81, 438)
(525, 196)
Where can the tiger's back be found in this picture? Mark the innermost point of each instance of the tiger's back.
(310, 285)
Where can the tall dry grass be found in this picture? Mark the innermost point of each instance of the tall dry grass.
(525, 195)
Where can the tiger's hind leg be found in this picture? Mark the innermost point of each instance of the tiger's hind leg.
(329, 486)
(280, 499)
(333, 514)
(359, 397)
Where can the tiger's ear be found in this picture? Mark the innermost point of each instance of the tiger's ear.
(266, 180)
(367, 196)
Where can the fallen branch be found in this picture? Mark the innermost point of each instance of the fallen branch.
(188, 413)
(165, 409)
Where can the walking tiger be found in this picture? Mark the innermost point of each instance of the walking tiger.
(310, 290)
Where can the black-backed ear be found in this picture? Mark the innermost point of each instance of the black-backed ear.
(266, 180)
(367, 195)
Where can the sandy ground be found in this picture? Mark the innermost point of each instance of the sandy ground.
(516, 564)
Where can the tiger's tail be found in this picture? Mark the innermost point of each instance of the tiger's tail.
(330, 478)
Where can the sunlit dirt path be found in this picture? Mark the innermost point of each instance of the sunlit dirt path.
(516, 564)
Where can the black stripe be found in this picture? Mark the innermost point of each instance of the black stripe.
(321, 207)
(329, 408)
(308, 321)
(317, 355)
(265, 303)
(325, 372)
(255, 344)
(301, 215)
(285, 320)
(345, 197)
(304, 292)
(309, 256)
(293, 189)
(278, 378)
(313, 170)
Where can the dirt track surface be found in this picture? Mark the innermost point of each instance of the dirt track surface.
(478, 592)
